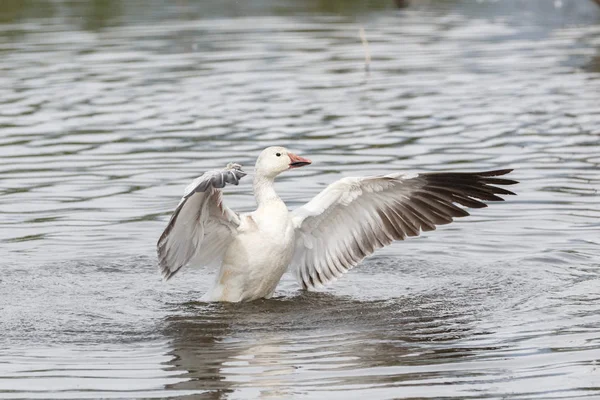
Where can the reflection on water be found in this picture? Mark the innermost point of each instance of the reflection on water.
(251, 347)
(108, 109)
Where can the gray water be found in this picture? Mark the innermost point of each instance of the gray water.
(109, 108)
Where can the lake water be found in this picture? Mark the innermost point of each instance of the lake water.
(109, 108)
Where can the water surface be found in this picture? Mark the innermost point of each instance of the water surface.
(108, 109)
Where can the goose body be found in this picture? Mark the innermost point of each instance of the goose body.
(257, 257)
(319, 241)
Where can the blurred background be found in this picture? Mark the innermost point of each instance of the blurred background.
(109, 108)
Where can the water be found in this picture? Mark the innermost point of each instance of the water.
(108, 109)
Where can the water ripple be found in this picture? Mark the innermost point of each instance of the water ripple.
(108, 109)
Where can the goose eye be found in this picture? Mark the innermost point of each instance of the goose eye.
(278, 154)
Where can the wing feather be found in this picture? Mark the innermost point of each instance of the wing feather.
(201, 226)
(353, 217)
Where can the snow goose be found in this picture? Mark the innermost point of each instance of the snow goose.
(319, 241)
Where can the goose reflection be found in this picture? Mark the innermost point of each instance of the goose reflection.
(312, 341)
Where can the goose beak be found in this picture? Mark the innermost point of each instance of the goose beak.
(297, 161)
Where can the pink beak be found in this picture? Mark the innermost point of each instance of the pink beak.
(297, 161)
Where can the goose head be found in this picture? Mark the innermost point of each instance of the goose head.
(274, 160)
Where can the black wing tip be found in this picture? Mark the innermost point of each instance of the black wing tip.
(166, 275)
(491, 183)
(481, 174)
(165, 271)
(163, 267)
(488, 178)
(470, 189)
(508, 192)
(485, 179)
(495, 172)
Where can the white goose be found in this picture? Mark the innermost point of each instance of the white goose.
(319, 241)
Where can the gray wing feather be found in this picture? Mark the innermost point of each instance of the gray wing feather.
(200, 219)
(215, 179)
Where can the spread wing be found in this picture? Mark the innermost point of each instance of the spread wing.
(201, 226)
(353, 217)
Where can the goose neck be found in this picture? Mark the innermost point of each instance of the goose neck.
(264, 192)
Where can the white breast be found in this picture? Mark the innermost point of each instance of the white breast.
(257, 258)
